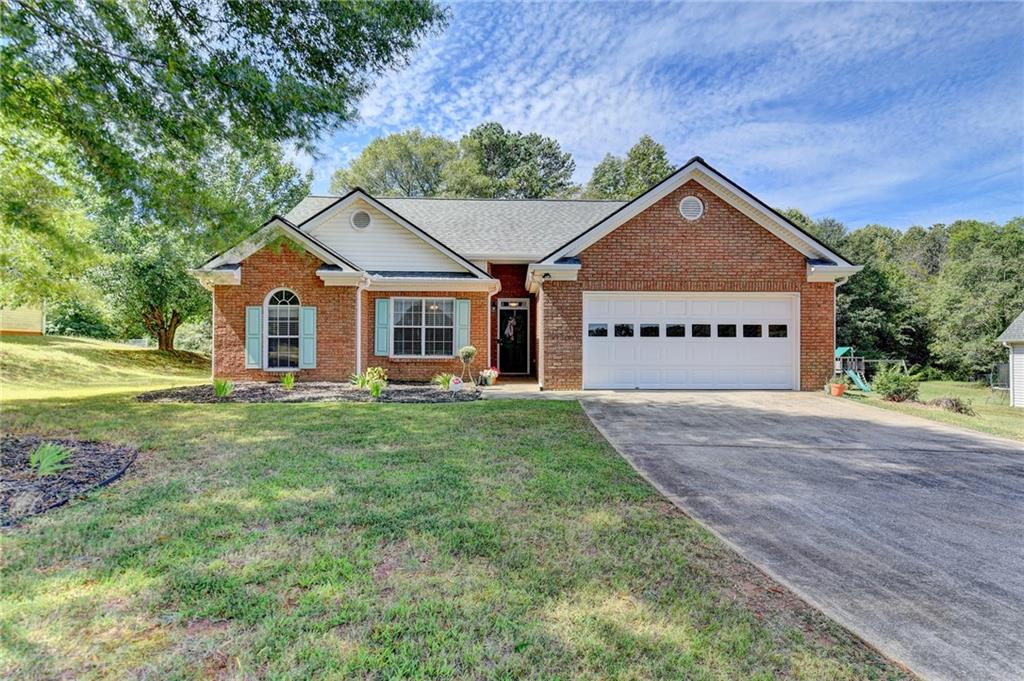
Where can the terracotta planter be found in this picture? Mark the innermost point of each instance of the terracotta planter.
(837, 389)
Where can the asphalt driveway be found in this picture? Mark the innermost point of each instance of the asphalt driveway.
(908, 532)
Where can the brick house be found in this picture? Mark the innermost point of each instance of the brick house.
(694, 284)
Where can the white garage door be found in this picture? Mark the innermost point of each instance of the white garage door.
(688, 341)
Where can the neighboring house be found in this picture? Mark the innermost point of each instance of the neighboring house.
(1013, 339)
(694, 284)
(27, 320)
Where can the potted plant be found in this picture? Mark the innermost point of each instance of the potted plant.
(489, 376)
(837, 385)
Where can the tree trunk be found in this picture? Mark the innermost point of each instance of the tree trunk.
(164, 329)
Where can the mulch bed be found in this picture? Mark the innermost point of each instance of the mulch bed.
(313, 391)
(22, 494)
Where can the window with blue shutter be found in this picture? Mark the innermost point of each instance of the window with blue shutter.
(461, 324)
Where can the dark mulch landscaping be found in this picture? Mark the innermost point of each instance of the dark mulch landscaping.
(23, 494)
(313, 391)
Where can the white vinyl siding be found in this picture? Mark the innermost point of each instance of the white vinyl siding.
(1017, 374)
(690, 341)
(384, 245)
(23, 319)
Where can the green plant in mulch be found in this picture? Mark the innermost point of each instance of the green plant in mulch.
(222, 387)
(49, 458)
(443, 381)
(374, 379)
(895, 386)
(288, 381)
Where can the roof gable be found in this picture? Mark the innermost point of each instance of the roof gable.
(268, 231)
(390, 242)
(697, 170)
(1014, 333)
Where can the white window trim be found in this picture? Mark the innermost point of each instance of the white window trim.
(423, 327)
(266, 332)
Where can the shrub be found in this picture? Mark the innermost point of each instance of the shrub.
(195, 337)
(49, 458)
(467, 353)
(954, 404)
(77, 318)
(374, 379)
(222, 387)
(443, 381)
(839, 379)
(894, 385)
(288, 381)
(376, 388)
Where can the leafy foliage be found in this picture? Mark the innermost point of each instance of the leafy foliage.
(955, 404)
(288, 381)
(894, 385)
(442, 381)
(367, 378)
(222, 387)
(646, 164)
(403, 164)
(128, 82)
(49, 458)
(78, 318)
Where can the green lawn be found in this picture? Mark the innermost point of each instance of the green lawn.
(35, 367)
(994, 414)
(483, 540)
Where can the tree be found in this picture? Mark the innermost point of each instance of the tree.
(148, 275)
(402, 164)
(500, 163)
(646, 165)
(46, 219)
(133, 85)
(608, 181)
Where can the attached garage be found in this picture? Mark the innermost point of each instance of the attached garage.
(691, 341)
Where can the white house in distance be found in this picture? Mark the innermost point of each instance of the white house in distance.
(27, 320)
(1013, 338)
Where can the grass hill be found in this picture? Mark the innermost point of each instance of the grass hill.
(36, 367)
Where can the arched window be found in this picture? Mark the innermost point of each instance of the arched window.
(282, 330)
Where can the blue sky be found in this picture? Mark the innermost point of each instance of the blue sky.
(898, 114)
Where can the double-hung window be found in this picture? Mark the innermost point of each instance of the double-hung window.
(423, 327)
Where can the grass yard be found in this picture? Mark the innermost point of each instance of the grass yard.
(483, 540)
(35, 367)
(994, 416)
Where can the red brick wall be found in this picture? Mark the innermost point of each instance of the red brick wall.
(424, 369)
(660, 251)
(262, 272)
(513, 285)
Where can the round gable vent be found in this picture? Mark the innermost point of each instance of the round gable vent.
(691, 208)
(360, 219)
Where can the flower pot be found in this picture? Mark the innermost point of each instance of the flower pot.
(837, 389)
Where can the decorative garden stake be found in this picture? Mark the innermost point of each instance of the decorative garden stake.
(466, 354)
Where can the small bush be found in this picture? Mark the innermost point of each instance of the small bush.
(371, 375)
(895, 386)
(443, 381)
(49, 458)
(195, 337)
(957, 405)
(376, 388)
(78, 318)
(222, 387)
(467, 353)
(288, 381)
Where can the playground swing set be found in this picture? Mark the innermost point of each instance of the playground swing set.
(855, 368)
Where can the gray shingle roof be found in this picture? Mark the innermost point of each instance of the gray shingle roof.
(510, 228)
(1014, 332)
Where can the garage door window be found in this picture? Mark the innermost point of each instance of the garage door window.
(726, 330)
(650, 330)
(623, 330)
(701, 330)
(751, 330)
(597, 330)
(778, 330)
(675, 330)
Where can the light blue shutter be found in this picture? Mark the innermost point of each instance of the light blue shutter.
(381, 324)
(307, 338)
(253, 337)
(461, 323)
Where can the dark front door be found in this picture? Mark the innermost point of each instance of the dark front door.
(513, 340)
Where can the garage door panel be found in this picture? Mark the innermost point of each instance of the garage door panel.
(748, 355)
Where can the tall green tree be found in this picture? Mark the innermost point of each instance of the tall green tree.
(129, 85)
(147, 274)
(646, 164)
(507, 164)
(401, 164)
(978, 290)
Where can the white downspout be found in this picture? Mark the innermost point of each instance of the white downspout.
(360, 287)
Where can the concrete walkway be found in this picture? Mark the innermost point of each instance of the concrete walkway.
(908, 532)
